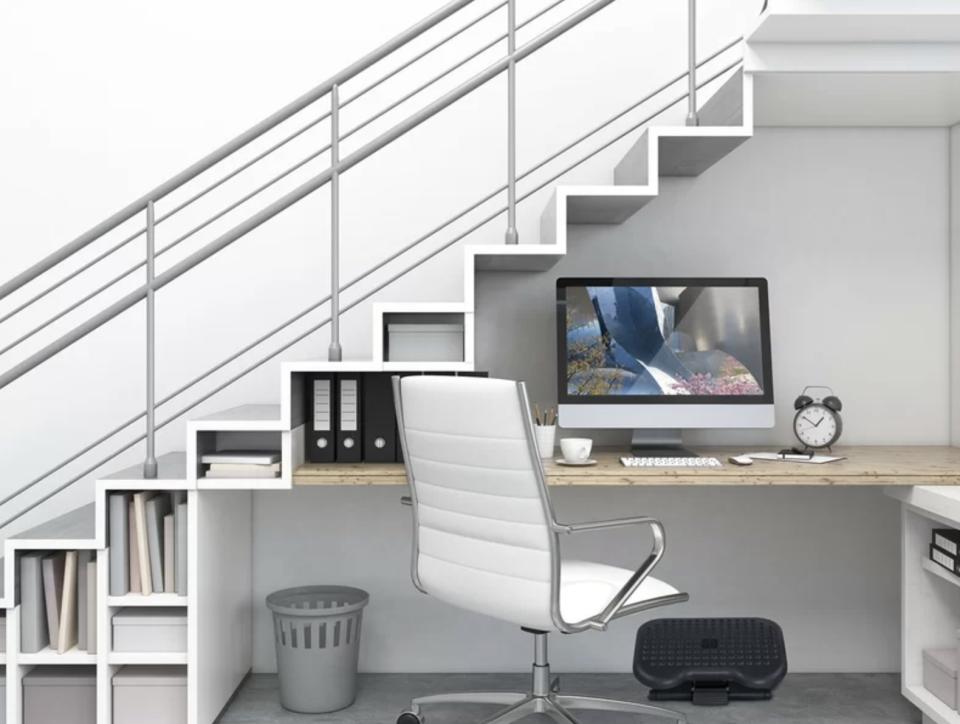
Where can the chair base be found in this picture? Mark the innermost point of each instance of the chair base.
(543, 698)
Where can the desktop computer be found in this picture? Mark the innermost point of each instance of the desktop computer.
(663, 355)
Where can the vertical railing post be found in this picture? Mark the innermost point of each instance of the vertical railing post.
(335, 352)
(150, 462)
(692, 118)
(512, 237)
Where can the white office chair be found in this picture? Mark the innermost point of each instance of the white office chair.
(485, 537)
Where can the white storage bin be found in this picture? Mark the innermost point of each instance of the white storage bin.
(940, 674)
(150, 629)
(60, 694)
(150, 695)
(424, 342)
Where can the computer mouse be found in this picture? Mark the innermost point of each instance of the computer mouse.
(740, 460)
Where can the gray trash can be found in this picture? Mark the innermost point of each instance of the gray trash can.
(317, 633)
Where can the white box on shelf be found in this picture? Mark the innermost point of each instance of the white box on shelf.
(58, 694)
(940, 674)
(424, 342)
(148, 629)
(150, 695)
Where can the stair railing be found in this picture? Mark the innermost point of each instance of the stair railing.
(337, 166)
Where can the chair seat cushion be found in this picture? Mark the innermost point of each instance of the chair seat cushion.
(586, 588)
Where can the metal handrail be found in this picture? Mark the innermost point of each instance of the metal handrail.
(316, 327)
(292, 197)
(227, 149)
(274, 180)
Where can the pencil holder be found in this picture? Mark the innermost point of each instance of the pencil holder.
(546, 437)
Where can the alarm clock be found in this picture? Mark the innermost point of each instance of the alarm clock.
(817, 423)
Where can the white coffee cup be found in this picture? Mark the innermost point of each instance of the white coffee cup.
(576, 449)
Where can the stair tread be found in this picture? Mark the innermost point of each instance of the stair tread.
(78, 524)
(244, 413)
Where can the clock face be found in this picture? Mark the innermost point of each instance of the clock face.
(817, 426)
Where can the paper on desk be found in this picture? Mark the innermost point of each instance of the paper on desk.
(816, 459)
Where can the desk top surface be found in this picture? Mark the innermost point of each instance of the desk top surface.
(868, 465)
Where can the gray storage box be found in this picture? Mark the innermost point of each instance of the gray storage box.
(425, 342)
(60, 694)
(150, 629)
(940, 674)
(3, 698)
(150, 695)
(3, 634)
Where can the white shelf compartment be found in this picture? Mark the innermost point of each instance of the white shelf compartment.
(249, 427)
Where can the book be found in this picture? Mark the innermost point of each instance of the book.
(156, 508)
(244, 457)
(67, 636)
(169, 555)
(91, 573)
(53, 565)
(83, 558)
(241, 467)
(119, 544)
(244, 471)
(34, 635)
(143, 549)
(180, 524)
(133, 552)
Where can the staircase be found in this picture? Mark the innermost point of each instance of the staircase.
(218, 618)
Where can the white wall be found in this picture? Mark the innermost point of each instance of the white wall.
(850, 228)
(103, 101)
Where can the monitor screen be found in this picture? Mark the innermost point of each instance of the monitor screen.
(664, 340)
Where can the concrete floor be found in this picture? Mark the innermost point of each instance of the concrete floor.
(801, 699)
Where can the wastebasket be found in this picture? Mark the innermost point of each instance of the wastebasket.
(317, 635)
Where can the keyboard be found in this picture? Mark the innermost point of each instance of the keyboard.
(645, 462)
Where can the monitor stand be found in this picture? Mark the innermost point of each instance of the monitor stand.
(659, 444)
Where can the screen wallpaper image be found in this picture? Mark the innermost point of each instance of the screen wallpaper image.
(633, 340)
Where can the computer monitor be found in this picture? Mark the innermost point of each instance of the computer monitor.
(661, 355)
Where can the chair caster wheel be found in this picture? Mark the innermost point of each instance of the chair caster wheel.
(408, 717)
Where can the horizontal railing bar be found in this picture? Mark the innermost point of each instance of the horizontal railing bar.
(442, 74)
(423, 54)
(243, 167)
(230, 147)
(72, 275)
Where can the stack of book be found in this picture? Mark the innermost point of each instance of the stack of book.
(148, 542)
(945, 549)
(241, 464)
(58, 596)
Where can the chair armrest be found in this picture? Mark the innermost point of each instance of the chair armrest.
(616, 605)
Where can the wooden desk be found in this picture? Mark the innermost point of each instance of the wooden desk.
(873, 465)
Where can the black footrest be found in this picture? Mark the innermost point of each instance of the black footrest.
(710, 661)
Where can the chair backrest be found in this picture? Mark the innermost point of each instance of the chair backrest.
(482, 519)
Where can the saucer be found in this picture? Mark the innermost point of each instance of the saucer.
(580, 463)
